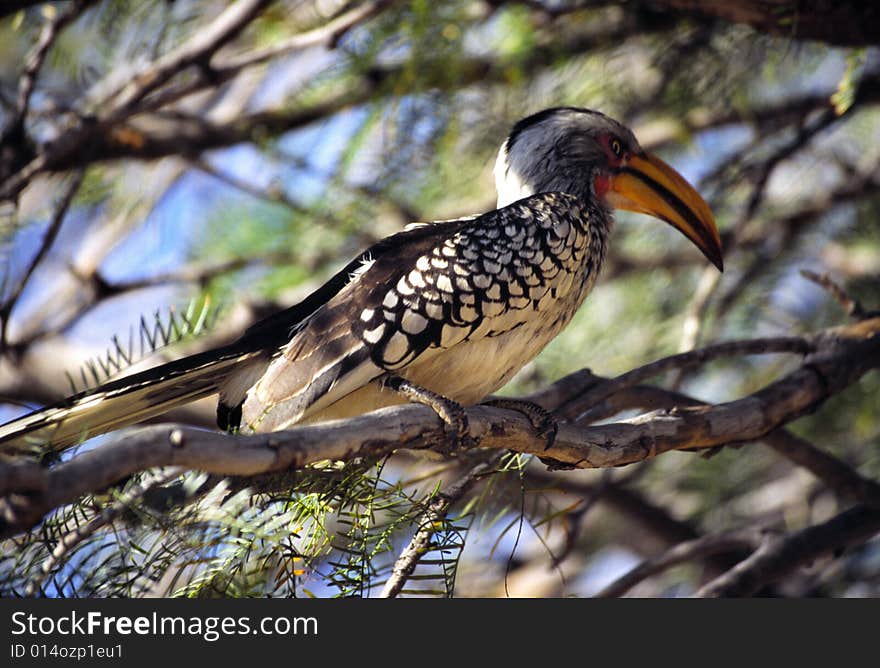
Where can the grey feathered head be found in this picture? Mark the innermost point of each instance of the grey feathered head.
(589, 155)
(558, 150)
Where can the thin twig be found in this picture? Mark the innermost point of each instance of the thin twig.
(35, 59)
(54, 228)
(429, 523)
(198, 50)
(693, 317)
(327, 34)
(851, 306)
(786, 229)
(199, 273)
(271, 195)
(574, 519)
(650, 517)
(228, 68)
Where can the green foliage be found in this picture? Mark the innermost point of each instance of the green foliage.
(334, 527)
(161, 331)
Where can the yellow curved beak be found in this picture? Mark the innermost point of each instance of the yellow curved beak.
(648, 185)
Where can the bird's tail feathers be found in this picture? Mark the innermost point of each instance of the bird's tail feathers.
(123, 401)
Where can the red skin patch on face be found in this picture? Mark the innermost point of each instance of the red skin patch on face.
(601, 184)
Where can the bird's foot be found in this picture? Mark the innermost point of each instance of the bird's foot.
(452, 413)
(543, 421)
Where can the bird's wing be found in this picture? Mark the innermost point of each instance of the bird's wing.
(437, 286)
(140, 396)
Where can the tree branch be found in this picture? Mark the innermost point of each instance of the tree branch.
(571, 408)
(327, 34)
(842, 23)
(197, 50)
(429, 522)
(650, 517)
(852, 307)
(34, 61)
(699, 548)
(225, 69)
(841, 356)
(777, 558)
(837, 475)
(8, 305)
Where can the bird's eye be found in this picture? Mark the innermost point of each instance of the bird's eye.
(616, 148)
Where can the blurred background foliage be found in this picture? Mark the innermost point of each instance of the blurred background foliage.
(264, 179)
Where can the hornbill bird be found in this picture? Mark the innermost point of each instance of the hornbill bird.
(444, 313)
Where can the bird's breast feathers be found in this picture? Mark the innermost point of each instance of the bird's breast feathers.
(529, 263)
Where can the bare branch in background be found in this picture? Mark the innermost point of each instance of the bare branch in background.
(699, 548)
(8, 305)
(272, 195)
(781, 556)
(838, 476)
(846, 23)
(35, 59)
(198, 50)
(852, 307)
